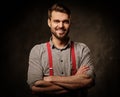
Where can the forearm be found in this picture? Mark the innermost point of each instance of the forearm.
(69, 79)
(72, 82)
(79, 80)
(48, 88)
(76, 83)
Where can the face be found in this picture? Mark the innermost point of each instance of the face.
(59, 25)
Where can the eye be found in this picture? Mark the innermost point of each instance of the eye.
(66, 22)
(56, 21)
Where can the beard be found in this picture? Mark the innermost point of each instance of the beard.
(60, 37)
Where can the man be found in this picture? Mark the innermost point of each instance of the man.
(60, 67)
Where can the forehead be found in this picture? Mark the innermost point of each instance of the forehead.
(59, 15)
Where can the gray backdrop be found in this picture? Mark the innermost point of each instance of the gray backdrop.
(24, 24)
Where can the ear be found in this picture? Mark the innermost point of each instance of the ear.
(48, 22)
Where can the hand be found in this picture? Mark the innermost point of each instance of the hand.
(52, 78)
(42, 83)
(83, 70)
(48, 78)
(39, 83)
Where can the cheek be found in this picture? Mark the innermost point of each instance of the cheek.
(53, 26)
(67, 26)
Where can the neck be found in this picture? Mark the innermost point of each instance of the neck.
(59, 43)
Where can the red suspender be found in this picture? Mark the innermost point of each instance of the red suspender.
(50, 58)
(73, 59)
(72, 56)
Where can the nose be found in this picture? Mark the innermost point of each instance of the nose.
(61, 24)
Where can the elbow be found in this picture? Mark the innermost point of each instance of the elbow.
(90, 83)
(35, 90)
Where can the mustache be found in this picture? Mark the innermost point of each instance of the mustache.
(63, 29)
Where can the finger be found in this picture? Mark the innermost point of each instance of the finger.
(38, 83)
(83, 69)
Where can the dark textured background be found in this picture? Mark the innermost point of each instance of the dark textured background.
(24, 24)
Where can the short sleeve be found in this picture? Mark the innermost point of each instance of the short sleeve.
(87, 59)
(35, 68)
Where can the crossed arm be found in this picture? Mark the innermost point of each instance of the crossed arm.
(60, 84)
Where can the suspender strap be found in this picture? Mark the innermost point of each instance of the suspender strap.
(73, 59)
(72, 56)
(50, 59)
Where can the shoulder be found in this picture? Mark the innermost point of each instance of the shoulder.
(82, 48)
(38, 48)
(80, 45)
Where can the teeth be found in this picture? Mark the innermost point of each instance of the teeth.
(60, 31)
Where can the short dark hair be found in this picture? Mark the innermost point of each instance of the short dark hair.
(60, 8)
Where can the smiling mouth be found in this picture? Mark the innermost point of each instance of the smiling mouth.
(61, 33)
(60, 30)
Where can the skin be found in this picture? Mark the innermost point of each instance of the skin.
(59, 25)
